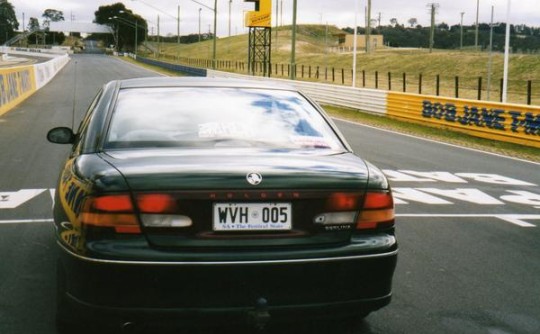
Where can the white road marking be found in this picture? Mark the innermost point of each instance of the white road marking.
(11, 200)
(53, 193)
(26, 221)
(515, 219)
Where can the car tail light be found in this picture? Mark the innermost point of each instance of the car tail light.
(343, 201)
(114, 211)
(161, 210)
(340, 209)
(371, 210)
(378, 211)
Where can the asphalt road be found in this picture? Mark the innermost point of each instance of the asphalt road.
(468, 222)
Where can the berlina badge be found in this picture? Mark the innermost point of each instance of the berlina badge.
(254, 178)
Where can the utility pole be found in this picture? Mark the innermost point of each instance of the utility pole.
(368, 27)
(293, 42)
(433, 8)
(476, 33)
(355, 42)
(214, 40)
(178, 25)
(461, 32)
(178, 33)
(277, 22)
(281, 13)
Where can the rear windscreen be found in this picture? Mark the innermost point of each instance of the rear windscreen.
(217, 117)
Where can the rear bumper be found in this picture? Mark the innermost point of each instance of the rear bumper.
(90, 315)
(118, 292)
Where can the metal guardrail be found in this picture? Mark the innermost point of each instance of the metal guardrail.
(363, 99)
(197, 72)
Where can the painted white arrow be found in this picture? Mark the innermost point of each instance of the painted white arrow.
(519, 219)
(11, 200)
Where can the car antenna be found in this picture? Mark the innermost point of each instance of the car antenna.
(74, 96)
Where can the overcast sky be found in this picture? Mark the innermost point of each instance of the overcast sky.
(334, 12)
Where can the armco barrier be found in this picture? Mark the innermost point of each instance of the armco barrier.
(197, 72)
(512, 123)
(363, 99)
(18, 83)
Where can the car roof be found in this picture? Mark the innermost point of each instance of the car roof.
(201, 82)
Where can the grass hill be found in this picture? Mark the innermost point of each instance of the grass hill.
(314, 48)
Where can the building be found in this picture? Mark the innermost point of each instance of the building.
(346, 41)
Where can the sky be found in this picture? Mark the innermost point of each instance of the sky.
(340, 13)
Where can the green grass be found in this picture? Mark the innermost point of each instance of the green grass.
(311, 41)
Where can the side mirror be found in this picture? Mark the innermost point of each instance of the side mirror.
(61, 135)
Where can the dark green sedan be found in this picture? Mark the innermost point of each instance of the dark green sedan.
(188, 201)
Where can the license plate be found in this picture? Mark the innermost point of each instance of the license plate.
(252, 216)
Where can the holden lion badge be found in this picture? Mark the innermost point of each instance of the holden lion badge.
(254, 178)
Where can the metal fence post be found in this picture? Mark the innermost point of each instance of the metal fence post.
(529, 92)
(480, 88)
(404, 82)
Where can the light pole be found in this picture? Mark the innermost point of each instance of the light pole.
(177, 18)
(215, 29)
(490, 62)
(200, 9)
(355, 42)
(506, 54)
(230, 3)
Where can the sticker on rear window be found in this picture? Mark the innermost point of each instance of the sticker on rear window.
(227, 129)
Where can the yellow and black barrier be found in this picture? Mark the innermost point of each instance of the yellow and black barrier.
(16, 84)
(512, 123)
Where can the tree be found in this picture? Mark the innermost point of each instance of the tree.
(443, 26)
(393, 22)
(123, 22)
(53, 15)
(8, 21)
(413, 22)
(33, 24)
